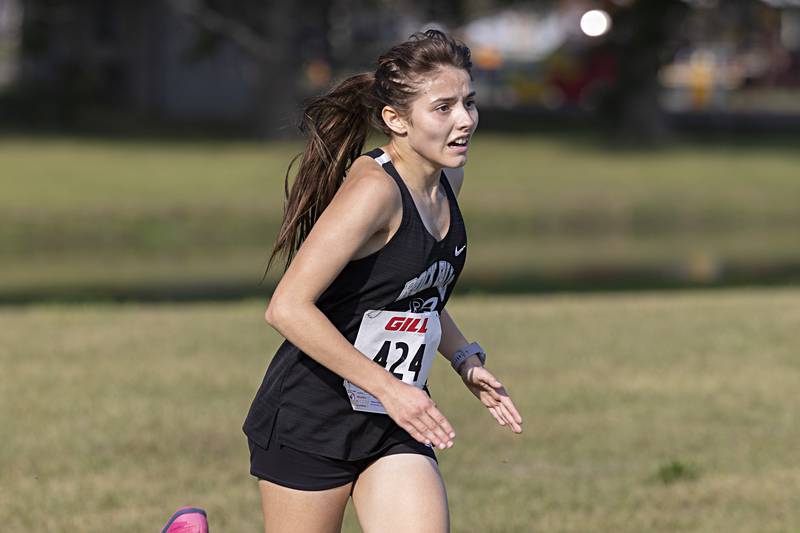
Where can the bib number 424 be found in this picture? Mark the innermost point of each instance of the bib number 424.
(414, 366)
(404, 343)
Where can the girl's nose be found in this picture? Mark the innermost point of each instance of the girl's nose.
(465, 119)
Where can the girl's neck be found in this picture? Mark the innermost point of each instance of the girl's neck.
(420, 175)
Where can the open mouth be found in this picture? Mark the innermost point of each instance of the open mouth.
(459, 143)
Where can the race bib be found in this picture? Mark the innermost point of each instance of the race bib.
(403, 343)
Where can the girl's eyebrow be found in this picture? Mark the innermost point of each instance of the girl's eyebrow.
(451, 98)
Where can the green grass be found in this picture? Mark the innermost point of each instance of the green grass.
(93, 213)
(648, 412)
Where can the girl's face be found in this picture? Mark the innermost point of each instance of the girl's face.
(443, 117)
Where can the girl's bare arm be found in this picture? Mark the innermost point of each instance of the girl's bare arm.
(361, 209)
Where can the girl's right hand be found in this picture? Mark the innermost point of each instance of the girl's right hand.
(414, 411)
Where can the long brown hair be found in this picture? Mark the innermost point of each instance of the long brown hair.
(336, 125)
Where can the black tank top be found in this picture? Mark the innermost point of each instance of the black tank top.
(306, 404)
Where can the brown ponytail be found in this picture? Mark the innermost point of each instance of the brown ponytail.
(337, 123)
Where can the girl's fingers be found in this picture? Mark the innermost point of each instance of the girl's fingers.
(497, 416)
(497, 393)
(419, 437)
(490, 383)
(512, 409)
(509, 418)
(494, 396)
(440, 440)
(428, 437)
(492, 405)
(501, 410)
(503, 417)
(431, 427)
(442, 422)
(501, 396)
(490, 397)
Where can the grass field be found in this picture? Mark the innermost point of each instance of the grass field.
(648, 412)
(84, 213)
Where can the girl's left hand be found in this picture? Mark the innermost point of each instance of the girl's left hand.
(492, 394)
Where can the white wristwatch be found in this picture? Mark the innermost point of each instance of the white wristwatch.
(462, 354)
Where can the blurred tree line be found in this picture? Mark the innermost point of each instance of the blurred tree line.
(289, 43)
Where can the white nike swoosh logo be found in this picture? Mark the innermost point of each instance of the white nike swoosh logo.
(458, 252)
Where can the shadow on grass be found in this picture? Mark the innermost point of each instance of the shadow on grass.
(582, 281)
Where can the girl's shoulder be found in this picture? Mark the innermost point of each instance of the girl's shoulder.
(368, 177)
(364, 165)
(368, 187)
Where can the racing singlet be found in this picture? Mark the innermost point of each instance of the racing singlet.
(387, 305)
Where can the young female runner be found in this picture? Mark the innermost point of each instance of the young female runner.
(374, 244)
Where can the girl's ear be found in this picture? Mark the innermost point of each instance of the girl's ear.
(394, 121)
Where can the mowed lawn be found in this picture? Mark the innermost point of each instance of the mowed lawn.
(122, 215)
(655, 412)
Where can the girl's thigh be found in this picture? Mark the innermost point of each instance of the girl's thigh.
(401, 493)
(302, 511)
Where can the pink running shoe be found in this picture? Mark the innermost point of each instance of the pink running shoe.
(187, 520)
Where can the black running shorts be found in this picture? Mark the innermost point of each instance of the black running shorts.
(301, 470)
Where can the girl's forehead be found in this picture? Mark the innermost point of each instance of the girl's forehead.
(445, 82)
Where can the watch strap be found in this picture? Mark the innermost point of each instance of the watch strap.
(467, 351)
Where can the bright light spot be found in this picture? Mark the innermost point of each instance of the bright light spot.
(595, 22)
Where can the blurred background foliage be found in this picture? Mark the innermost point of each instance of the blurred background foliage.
(623, 144)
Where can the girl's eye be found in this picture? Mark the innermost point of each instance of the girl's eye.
(470, 103)
(443, 107)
